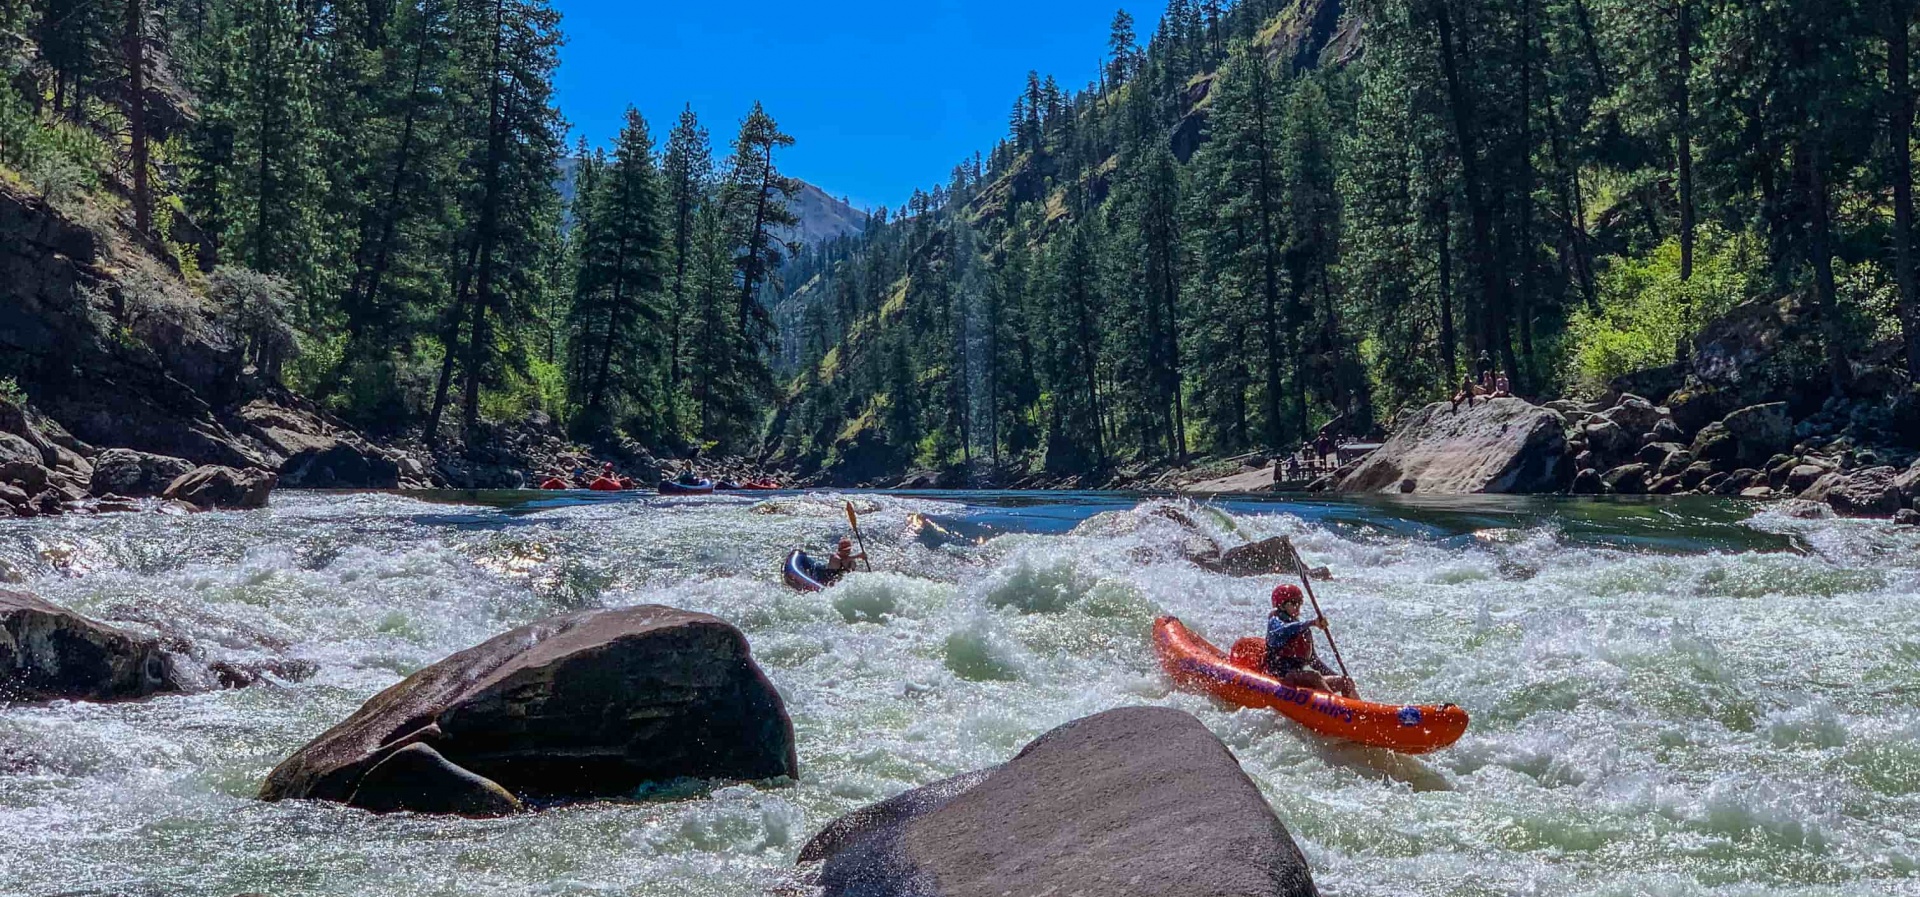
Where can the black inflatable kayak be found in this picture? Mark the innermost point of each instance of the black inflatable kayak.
(674, 487)
(804, 574)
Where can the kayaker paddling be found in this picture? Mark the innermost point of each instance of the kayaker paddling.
(844, 558)
(1290, 652)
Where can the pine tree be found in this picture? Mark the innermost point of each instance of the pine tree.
(616, 315)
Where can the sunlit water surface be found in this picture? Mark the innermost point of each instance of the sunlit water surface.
(1674, 699)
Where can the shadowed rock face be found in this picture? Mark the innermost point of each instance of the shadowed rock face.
(49, 653)
(1497, 446)
(1135, 802)
(578, 706)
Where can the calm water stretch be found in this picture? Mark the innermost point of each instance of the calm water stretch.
(1676, 698)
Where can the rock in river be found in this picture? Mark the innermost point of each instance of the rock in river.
(135, 474)
(1500, 445)
(1135, 802)
(584, 705)
(48, 653)
(212, 487)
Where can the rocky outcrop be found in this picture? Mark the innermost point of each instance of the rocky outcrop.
(1135, 802)
(1500, 445)
(213, 488)
(579, 706)
(135, 474)
(48, 653)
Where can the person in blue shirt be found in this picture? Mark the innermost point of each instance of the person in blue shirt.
(1290, 654)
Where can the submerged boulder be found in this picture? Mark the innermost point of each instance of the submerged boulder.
(213, 487)
(1500, 445)
(1135, 802)
(49, 653)
(417, 779)
(584, 705)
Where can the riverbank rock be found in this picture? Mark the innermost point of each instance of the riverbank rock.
(134, 474)
(1501, 445)
(1866, 493)
(1261, 480)
(1135, 802)
(585, 705)
(212, 488)
(49, 653)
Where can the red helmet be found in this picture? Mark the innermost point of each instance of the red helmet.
(1284, 593)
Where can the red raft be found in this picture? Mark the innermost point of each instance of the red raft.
(1196, 665)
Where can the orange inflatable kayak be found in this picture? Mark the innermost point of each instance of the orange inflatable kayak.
(1196, 665)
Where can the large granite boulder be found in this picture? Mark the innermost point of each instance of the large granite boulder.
(1502, 445)
(1135, 802)
(342, 465)
(135, 474)
(1866, 493)
(213, 487)
(22, 464)
(1761, 430)
(579, 706)
(48, 653)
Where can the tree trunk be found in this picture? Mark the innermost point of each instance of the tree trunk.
(1521, 374)
(1683, 137)
(1449, 339)
(136, 59)
(1493, 310)
(478, 335)
(390, 211)
(1820, 247)
(1900, 143)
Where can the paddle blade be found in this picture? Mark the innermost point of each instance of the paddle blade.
(852, 520)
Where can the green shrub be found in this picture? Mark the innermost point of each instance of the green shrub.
(11, 393)
(1646, 311)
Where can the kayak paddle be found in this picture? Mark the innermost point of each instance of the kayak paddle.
(856, 534)
(1300, 567)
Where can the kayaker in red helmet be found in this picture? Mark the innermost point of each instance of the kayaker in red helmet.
(1290, 654)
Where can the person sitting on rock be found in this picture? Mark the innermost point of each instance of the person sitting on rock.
(1502, 387)
(1467, 391)
(1290, 654)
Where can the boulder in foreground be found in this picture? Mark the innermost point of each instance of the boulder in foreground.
(1135, 802)
(1498, 445)
(585, 705)
(49, 653)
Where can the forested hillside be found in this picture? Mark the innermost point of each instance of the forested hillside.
(361, 200)
(1288, 213)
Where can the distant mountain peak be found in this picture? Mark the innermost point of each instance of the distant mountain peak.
(822, 217)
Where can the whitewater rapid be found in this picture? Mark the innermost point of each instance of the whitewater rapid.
(1672, 699)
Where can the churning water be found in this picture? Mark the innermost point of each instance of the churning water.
(1668, 699)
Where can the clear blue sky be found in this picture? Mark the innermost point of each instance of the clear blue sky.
(882, 97)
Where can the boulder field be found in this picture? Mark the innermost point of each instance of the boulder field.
(1134, 802)
(581, 706)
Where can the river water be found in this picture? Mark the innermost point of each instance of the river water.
(1675, 698)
